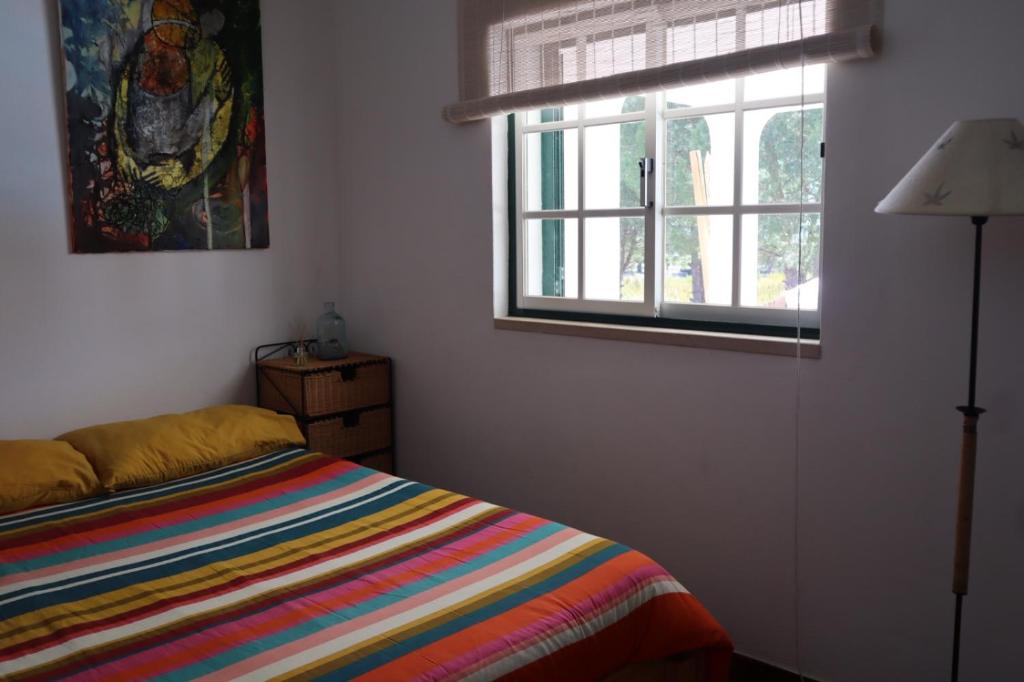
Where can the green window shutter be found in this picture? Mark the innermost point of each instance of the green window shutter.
(552, 154)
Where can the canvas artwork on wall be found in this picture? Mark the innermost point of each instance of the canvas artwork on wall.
(165, 124)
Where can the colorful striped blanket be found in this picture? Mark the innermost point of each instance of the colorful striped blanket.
(299, 565)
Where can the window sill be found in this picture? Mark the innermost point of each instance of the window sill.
(743, 343)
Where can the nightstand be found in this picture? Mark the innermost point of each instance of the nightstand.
(342, 406)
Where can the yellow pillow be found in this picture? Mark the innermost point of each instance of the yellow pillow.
(149, 451)
(34, 473)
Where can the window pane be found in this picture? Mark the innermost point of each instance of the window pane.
(698, 259)
(568, 113)
(614, 252)
(552, 170)
(612, 166)
(771, 155)
(785, 83)
(699, 160)
(780, 262)
(703, 95)
(551, 250)
(616, 105)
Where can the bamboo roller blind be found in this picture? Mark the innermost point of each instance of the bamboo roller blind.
(527, 54)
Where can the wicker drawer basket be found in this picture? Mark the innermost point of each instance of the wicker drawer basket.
(351, 434)
(318, 393)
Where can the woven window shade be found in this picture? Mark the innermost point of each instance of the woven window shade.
(528, 54)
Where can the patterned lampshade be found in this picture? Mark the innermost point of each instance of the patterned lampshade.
(975, 169)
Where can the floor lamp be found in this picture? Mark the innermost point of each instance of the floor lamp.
(975, 169)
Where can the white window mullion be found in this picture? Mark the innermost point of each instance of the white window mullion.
(740, 315)
(729, 210)
(737, 199)
(694, 112)
(654, 245)
(596, 306)
(593, 213)
(522, 276)
(597, 120)
(581, 227)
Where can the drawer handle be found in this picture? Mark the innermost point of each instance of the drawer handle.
(348, 373)
(350, 420)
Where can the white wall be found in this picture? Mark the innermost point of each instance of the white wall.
(89, 338)
(689, 454)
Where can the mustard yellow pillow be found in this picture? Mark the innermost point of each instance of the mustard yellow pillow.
(34, 473)
(148, 451)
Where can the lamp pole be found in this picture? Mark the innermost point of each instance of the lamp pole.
(968, 451)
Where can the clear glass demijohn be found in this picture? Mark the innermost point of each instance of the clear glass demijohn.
(331, 340)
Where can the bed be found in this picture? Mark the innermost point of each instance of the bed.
(297, 565)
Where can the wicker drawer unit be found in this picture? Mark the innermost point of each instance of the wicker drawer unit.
(342, 406)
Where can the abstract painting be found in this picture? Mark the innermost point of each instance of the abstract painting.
(165, 124)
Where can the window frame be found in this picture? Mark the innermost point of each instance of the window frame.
(653, 311)
(605, 307)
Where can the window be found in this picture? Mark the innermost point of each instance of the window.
(694, 207)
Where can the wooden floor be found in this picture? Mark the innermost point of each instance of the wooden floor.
(750, 670)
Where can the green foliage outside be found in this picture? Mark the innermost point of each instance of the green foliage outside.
(682, 247)
(779, 239)
(631, 230)
(778, 182)
(681, 244)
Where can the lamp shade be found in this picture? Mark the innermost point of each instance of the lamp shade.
(975, 169)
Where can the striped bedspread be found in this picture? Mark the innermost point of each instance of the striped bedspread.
(299, 565)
